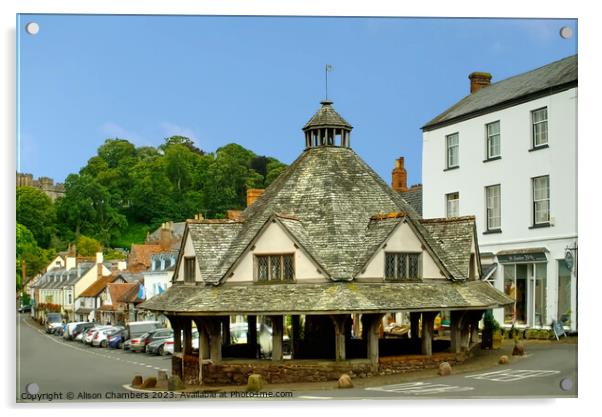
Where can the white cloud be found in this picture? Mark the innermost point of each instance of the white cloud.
(170, 129)
(114, 130)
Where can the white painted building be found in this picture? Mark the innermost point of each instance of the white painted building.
(507, 154)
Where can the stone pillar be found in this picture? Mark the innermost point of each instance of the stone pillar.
(457, 323)
(187, 330)
(296, 335)
(339, 322)
(277, 333)
(252, 334)
(415, 325)
(428, 321)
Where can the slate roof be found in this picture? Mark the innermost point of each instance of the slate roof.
(98, 286)
(58, 278)
(414, 198)
(177, 230)
(323, 298)
(544, 80)
(455, 234)
(334, 194)
(326, 116)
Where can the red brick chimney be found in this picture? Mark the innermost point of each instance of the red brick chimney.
(479, 80)
(253, 194)
(165, 236)
(399, 176)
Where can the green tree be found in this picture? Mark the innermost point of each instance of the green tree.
(36, 211)
(29, 255)
(87, 246)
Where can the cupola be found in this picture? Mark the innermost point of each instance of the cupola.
(327, 128)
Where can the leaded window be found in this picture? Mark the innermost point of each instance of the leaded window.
(399, 265)
(275, 267)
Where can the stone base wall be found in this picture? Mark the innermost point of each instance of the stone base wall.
(236, 372)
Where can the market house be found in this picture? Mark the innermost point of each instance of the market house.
(328, 248)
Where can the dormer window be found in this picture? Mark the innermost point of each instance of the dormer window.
(402, 266)
(189, 269)
(275, 267)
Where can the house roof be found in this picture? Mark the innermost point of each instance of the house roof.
(323, 298)
(545, 80)
(177, 231)
(326, 116)
(139, 258)
(413, 196)
(98, 286)
(119, 291)
(455, 234)
(58, 278)
(326, 199)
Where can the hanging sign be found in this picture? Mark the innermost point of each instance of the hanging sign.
(569, 260)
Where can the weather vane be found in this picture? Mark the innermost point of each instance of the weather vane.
(327, 69)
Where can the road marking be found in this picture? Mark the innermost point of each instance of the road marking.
(420, 388)
(509, 375)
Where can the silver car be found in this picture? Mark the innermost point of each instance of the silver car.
(100, 338)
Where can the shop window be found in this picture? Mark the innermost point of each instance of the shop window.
(564, 292)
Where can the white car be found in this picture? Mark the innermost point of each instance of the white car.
(100, 337)
(89, 335)
(169, 343)
(70, 327)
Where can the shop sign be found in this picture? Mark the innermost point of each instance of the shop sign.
(522, 257)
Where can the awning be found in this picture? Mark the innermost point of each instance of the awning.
(513, 256)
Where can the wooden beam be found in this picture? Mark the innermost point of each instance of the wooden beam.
(252, 334)
(339, 321)
(277, 333)
(428, 321)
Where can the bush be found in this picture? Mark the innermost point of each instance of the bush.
(489, 322)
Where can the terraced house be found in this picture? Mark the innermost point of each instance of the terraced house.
(328, 247)
(507, 153)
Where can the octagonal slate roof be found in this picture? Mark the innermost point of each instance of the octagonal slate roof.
(326, 117)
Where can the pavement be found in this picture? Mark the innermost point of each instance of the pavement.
(71, 371)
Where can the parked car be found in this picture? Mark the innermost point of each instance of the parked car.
(138, 328)
(25, 309)
(169, 343)
(89, 336)
(101, 336)
(53, 322)
(139, 344)
(80, 329)
(117, 339)
(156, 347)
(127, 344)
(68, 333)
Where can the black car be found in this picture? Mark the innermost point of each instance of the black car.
(80, 328)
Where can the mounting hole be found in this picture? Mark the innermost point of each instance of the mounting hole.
(32, 389)
(32, 28)
(566, 384)
(566, 32)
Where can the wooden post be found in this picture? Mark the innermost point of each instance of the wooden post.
(371, 327)
(203, 338)
(215, 339)
(252, 334)
(296, 333)
(187, 325)
(277, 333)
(414, 325)
(339, 322)
(428, 321)
(226, 330)
(457, 323)
(177, 334)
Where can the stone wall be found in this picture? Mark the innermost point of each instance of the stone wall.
(236, 372)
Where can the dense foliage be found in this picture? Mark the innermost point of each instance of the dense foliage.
(125, 191)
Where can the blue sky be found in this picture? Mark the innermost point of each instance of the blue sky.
(255, 80)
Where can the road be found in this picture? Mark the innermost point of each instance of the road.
(61, 367)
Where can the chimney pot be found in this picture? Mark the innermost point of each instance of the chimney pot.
(479, 80)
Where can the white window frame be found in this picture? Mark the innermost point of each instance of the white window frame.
(539, 200)
(534, 124)
(449, 163)
(489, 207)
(449, 200)
(492, 136)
